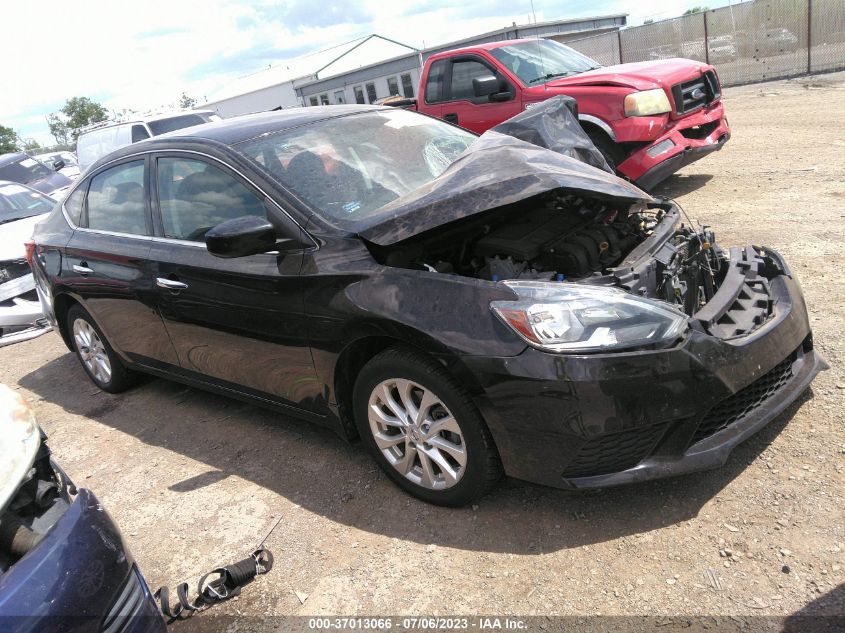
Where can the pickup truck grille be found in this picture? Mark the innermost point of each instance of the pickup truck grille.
(696, 93)
(13, 269)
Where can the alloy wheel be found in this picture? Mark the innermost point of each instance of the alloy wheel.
(417, 433)
(91, 351)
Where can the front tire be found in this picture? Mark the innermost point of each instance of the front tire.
(96, 356)
(612, 153)
(423, 429)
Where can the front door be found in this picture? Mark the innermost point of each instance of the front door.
(237, 323)
(478, 114)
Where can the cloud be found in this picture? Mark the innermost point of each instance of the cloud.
(168, 47)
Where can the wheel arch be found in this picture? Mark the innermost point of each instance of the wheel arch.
(364, 348)
(62, 303)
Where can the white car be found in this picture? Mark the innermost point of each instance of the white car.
(21, 314)
(99, 139)
(62, 162)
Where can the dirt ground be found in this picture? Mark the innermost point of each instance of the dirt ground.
(196, 480)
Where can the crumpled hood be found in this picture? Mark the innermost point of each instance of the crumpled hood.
(499, 169)
(13, 236)
(639, 76)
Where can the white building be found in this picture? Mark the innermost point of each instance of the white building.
(371, 68)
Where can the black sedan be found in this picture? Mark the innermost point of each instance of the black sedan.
(465, 306)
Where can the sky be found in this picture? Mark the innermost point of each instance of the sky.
(142, 56)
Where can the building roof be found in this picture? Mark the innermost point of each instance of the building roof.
(329, 61)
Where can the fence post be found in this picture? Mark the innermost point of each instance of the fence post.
(809, 36)
(619, 39)
(707, 40)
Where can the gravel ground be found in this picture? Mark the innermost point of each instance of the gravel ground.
(196, 480)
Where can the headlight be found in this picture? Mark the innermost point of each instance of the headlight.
(19, 442)
(564, 317)
(647, 103)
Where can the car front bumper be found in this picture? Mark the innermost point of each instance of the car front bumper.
(689, 139)
(582, 421)
(80, 578)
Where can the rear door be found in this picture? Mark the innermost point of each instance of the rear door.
(463, 108)
(106, 263)
(237, 323)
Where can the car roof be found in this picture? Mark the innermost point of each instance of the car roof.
(485, 46)
(12, 157)
(242, 128)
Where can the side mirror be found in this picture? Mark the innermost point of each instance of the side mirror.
(485, 85)
(58, 164)
(238, 237)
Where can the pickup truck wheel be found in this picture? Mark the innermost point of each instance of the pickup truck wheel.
(423, 429)
(612, 153)
(96, 356)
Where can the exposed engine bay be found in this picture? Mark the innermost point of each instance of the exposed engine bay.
(42, 498)
(562, 236)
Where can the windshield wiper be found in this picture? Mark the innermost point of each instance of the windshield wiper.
(548, 76)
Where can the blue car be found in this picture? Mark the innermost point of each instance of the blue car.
(63, 563)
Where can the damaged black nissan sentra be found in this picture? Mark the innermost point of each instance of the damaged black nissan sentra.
(465, 305)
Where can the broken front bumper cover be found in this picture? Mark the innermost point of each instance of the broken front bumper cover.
(20, 319)
(595, 420)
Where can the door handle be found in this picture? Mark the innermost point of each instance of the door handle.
(81, 269)
(452, 117)
(170, 284)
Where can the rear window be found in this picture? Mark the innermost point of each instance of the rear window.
(17, 202)
(162, 126)
(25, 170)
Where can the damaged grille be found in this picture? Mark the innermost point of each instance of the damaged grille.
(124, 612)
(696, 93)
(14, 269)
(745, 401)
(614, 452)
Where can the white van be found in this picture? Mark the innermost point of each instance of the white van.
(100, 139)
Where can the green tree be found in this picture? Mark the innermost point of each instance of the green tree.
(8, 140)
(30, 145)
(74, 115)
(186, 102)
(692, 10)
(648, 21)
(58, 129)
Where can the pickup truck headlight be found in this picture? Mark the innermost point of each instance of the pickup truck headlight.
(647, 103)
(565, 317)
(19, 442)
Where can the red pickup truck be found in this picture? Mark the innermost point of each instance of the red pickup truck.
(648, 119)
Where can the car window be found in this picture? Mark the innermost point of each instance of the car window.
(139, 133)
(194, 196)
(25, 170)
(73, 204)
(161, 126)
(434, 83)
(347, 167)
(462, 75)
(17, 202)
(116, 200)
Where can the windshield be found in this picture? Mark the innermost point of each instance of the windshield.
(17, 202)
(538, 61)
(162, 126)
(25, 170)
(346, 168)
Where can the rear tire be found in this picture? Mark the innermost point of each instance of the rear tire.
(95, 354)
(423, 429)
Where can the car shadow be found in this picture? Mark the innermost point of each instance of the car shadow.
(826, 614)
(680, 184)
(314, 468)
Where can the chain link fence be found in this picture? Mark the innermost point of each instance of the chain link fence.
(747, 41)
